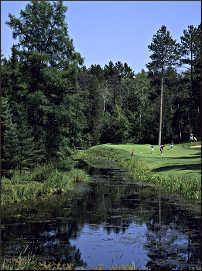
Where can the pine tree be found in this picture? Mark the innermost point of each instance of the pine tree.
(96, 110)
(28, 154)
(165, 53)
(50, 66)
(190, 56)
(43, 34)
(9, 138)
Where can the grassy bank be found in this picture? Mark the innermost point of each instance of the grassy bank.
(177, 170)
(42, 181)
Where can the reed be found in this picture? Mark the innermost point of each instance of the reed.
(40, 182)
(77, 176)
(32, 263)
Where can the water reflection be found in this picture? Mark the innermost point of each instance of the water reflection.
(112, 223)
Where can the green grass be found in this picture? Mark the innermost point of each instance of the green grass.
(182, 160)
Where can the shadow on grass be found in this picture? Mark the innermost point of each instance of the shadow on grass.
(198, 153)
(178, 167)
(185, 157)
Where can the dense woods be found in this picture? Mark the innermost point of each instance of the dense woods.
(52, 103)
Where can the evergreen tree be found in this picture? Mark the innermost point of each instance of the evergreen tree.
(115, 127)
(9, 138)
(190, 56)
(43, 34)
(165, 54)
(28, 155)
(96, 105)
(113, 79)
(141, 90)
(50, 66)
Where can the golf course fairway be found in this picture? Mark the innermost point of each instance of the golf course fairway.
(182, 160)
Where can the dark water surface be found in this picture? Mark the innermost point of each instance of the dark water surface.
(109, 222)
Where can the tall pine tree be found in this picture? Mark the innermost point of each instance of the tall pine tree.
(190, 51)
(165, 53)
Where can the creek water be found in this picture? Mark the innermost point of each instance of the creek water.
(110, 221)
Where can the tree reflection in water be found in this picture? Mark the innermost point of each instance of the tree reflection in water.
(48, 242)
(168, 245)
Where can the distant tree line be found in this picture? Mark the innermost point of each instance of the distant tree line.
(52, 102)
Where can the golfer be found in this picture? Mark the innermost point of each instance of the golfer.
(171, 145)
(161, 149)
(152, 148)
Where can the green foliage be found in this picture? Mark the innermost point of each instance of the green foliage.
(165, 50)
(190, 57)
(116, 127)
(42, 30)
(28, 154)
(10, 139)
(120, 125)
(65, 164)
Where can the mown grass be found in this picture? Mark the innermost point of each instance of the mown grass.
(39, 182)
(177, 170)
(181, 160)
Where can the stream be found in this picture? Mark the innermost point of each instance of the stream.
(109, 222)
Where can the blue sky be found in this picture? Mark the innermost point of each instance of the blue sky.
(118, 30)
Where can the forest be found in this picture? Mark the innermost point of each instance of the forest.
(52, 103)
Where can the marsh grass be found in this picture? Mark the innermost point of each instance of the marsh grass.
(77, 176)
(39, 182)
(32, 263)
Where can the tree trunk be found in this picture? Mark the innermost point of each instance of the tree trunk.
(191, 94)
(180, 133)
(103, 104)
(161, 109)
